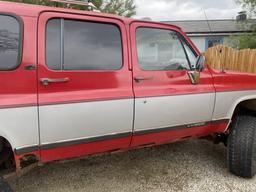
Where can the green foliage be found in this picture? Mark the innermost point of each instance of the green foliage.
(124, 8)
(247, 40)
(243, 41)
(249, 5)
(121, 7)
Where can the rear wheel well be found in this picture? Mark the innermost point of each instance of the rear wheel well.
(7, 161)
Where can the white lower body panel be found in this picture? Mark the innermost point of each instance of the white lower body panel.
(226, 102)
(20, 126)
(75, 121)
(169, 111)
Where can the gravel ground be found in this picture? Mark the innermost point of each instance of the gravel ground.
(189, 166)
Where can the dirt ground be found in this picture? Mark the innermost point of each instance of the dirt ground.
(188, 166)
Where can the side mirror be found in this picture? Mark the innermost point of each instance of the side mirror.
(200, 62)
(194, 75)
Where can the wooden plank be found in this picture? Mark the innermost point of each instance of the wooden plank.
(221, 56)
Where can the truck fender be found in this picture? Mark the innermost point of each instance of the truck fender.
(238, 102)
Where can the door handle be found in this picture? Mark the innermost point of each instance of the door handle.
(47, 81)
(139, 79)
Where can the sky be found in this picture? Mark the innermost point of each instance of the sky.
(170, 10)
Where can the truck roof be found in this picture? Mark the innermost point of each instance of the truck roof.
(31, 10)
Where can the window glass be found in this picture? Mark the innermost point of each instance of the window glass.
(80, 45)
(160, 49)
(191, 55)
(53, 44)
(10, 42)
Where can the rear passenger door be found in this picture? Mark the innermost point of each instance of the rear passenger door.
(18, 89)
(167, 105)
(85, 85)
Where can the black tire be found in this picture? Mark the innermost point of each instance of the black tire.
(4, 186)
(242, 146)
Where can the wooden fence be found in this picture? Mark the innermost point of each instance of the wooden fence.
(223, 57)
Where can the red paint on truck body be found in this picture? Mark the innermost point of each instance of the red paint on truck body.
(20, 87)
(114, 145)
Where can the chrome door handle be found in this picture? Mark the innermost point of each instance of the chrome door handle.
(139, 79)
(47, 81)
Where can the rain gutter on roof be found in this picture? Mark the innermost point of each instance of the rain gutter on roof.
(216, 34)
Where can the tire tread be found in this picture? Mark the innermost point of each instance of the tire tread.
(242, 146)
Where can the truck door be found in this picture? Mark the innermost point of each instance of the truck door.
(18, 92)
(167, 105)
(85, 85)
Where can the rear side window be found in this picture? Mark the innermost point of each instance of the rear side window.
(80, 45)
(10, 42)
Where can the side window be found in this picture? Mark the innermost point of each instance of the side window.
(160, 49)
(53, 44)
(10, 42)
(80, 45)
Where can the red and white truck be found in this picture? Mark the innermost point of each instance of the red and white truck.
(76, 83)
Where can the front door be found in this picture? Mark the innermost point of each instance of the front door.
(167, 105)
(85, 86)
